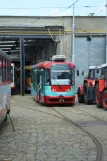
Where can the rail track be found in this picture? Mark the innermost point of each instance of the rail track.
(61, 116)
(88, 113)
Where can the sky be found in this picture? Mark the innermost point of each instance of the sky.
(52, 8)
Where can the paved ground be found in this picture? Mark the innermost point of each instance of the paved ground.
(40, 136)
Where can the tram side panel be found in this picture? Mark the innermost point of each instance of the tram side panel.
(5, 86)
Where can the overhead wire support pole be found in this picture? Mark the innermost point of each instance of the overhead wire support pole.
(106, 31)
(73, 36)
(73, 32)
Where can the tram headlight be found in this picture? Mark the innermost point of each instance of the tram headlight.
(54, 90)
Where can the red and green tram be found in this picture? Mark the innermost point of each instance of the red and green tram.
(53, 82)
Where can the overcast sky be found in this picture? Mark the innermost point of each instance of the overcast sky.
(51, 8)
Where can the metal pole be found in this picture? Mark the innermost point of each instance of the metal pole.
(106, 13)
(73, 36)
(73, 32)
(88, 54)
(106, 31)
(22, 65)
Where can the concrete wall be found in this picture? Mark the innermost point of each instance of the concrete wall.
(84, 25)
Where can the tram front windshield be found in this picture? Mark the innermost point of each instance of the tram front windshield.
(61, 74)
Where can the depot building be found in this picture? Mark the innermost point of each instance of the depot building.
(29, 40)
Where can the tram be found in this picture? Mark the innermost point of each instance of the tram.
(27, 77)
(5, 85)
(53, 82)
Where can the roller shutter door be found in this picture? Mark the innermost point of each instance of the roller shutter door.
(88, 53)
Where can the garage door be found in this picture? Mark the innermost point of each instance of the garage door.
(88, 53)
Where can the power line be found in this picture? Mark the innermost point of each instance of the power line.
(100, 10)
(63, 8)
(87, 6)
(60, 10)
(32, 8)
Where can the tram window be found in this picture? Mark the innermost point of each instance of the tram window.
(0, 71)
(9, 71)
(34, 78)
(38, 77)
(47, 77)
(73, 77)
(11, 75)
(6, 71)
(4, 76)
(34, 75)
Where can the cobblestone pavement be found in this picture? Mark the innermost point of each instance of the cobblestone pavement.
(43, 137)
(97, 127)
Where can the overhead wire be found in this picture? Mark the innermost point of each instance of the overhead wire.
(100, 11)
(76, 7)
(86, 31)
(63, 8)
(59, 21)
(58, 11)
(68, 7)
(87, 6)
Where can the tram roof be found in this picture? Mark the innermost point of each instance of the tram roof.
(47, 64)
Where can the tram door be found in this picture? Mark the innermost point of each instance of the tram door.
(41, 86)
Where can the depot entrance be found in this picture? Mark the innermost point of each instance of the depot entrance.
(28, 46)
